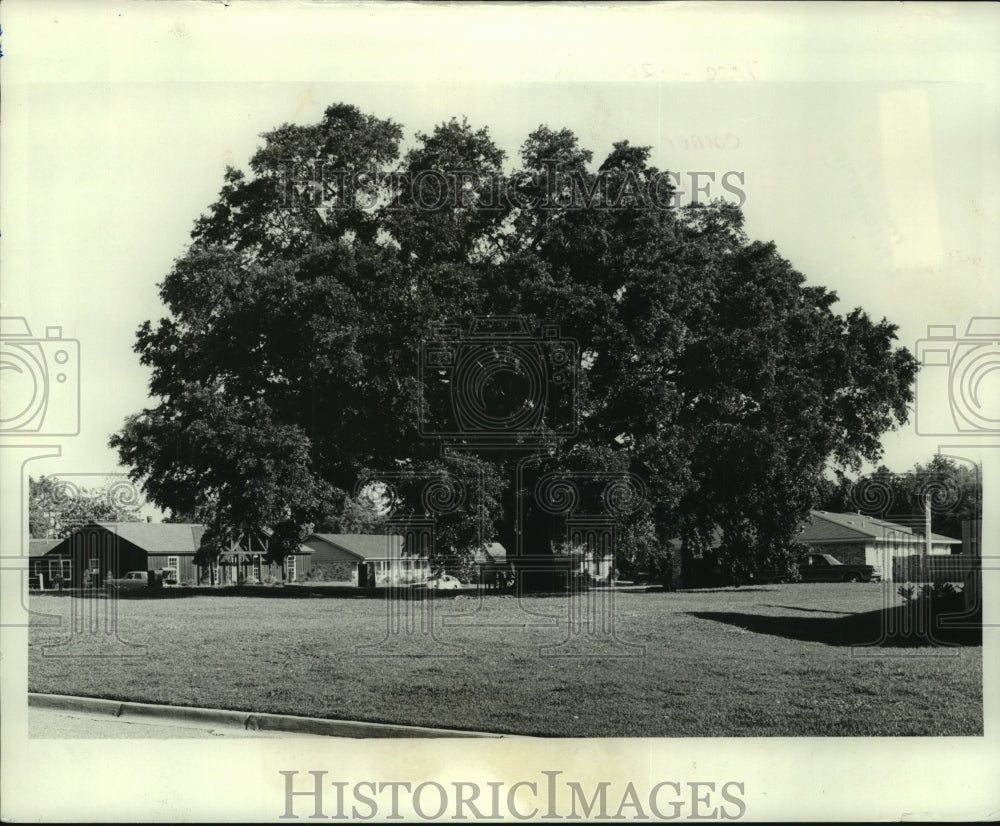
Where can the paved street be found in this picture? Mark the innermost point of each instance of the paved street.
(62, 725)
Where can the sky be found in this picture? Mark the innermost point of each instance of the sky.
(867, 155)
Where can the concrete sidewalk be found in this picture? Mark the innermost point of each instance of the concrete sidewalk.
(216, 722)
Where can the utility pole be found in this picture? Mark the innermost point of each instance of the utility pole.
(927, 524)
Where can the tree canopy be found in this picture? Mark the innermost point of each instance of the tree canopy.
(954, 489)
(57, 506)
(288, 364)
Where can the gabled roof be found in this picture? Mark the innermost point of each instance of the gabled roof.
(365, 546)
(495, 552)
(158, 537)
(824, 526)
(40, 547)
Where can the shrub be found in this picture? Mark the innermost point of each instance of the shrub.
(942, 606)
(330, 573)
(944, 596)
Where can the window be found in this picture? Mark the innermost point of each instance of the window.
(290, 568)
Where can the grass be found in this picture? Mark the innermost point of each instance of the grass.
(764, 661)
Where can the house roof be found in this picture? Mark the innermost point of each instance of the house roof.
(159, 537)
(824, 526)
(40, 547)
(365, 546)
(494, 552)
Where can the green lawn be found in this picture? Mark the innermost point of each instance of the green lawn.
(777, 660)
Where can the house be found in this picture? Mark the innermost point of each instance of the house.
(98, 551)
(364, 559)
(492, 567)
(493, 554)
(243, 562)
(596, 565)
(856, 539)
(851, 538)
(48, 564)
(490, 559)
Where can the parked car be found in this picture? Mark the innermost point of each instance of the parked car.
(827, 568)
(140, 579)
(133, 579)
(443, 582)
(824, 568)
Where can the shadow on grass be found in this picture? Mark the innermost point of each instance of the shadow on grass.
(890, 628)
(807, 610)
(728, 589)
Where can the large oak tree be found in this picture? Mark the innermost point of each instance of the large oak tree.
(288, 363)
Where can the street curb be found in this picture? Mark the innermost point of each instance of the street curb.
(62, 702)
(247, 720)
(211, 716)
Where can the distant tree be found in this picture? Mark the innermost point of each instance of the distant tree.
(955, 490)
(55, 509)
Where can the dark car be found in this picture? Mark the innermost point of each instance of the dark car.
(824, 568)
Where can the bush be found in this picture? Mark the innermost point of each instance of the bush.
(942, 608)
(342, 572)
(943, 596)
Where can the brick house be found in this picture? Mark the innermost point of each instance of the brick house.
(851, 538)
(364, 559)
(856, 539)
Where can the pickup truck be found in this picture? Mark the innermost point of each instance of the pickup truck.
(133, 579)
(140, 579)
(826, 568)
